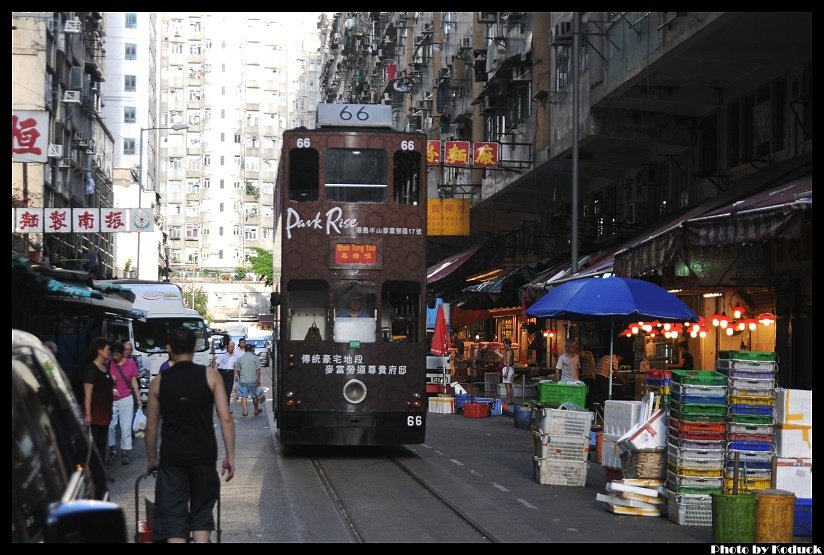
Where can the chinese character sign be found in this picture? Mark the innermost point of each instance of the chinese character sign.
(113, 220)
(433, 152)
(447, 216)
(29, 135)
(85, 220)
(353, 253)
(28, 220)
(485, 154)
(57, 220)
(456, 153)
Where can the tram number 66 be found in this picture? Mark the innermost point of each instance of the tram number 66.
(414, 421)
(407, 145)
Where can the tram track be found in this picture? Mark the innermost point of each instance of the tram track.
(425, 501)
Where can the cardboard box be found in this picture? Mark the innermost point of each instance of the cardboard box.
(795, 475)
(794, 441)
(794, 406)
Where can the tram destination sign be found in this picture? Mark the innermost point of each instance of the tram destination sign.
(354, 115)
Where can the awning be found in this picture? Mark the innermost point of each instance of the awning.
(767, 214)
(776, 213)
(450, 264)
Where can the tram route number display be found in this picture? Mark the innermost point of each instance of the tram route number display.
(414, 421)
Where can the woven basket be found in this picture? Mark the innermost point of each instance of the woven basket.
(644, 464)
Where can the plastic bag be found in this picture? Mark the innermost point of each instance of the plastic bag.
(139, 423)
(261, 394)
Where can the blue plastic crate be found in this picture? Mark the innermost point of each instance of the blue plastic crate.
(803, 520)
(462, 399)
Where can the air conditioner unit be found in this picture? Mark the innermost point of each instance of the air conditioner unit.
(55, 151)
(81, 140)
(71, 97)
(375, 72)
(466, 42)
(487, 105)
(51, 25)
(436, 81)
(64, 163)
(561, 34)
(73, 26)
(421, 104)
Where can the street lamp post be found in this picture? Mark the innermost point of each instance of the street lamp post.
(174, 127)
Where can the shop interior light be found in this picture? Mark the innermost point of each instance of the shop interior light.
(724, 320)
(702, 333)
(715, 319)
(647, 327)
(634, 328)
(740, 325)
(710, 295)
(693, 333)
(738, 311)
(653, 333)
(730, 330)
(667, 326)
(766, 318)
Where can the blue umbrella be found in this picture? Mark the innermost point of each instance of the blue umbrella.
(612, 298)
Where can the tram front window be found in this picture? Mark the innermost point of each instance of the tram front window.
(355, 316)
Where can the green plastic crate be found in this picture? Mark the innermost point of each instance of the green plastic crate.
(747, 355)
(698, 408)
(698, 377)
(556, 394)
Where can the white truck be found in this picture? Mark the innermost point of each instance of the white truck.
(438, 372)
(163, 305)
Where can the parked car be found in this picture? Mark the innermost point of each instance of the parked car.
(59, 488)
(261, 349)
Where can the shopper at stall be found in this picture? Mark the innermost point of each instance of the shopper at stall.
(508, 368)
(602, 376)
(685, 361)
(569, 363)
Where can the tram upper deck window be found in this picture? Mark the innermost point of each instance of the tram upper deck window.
(304, 174)
(356, 175)
(407, 177)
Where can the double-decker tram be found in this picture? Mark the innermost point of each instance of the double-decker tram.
(351, 240)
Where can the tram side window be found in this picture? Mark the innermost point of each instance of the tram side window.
(355, 313)
(308, 302)
(356, 175)
(406, 184)
(304, 174)
(400, 311)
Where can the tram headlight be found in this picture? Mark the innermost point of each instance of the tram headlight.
(354, 391)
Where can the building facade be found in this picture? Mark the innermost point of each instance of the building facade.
(57, 64)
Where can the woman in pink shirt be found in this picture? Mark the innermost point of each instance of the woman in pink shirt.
(124, 372)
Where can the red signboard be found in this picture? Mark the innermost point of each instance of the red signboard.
(485, 154)
(456, 153)
(361, 254)
(433, 152)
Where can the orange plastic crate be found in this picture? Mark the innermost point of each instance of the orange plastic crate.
(476, 410)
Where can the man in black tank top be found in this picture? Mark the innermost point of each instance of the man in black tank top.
(183, 398)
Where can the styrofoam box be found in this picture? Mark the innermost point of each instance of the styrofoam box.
(441, 405)
(560, 473)
(794, 406)
(795, 475)
(610, 454)
(793, 441)
(621, 416)
(651, 434)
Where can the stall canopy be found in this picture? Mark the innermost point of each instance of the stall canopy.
(448, 265)
(731, 218)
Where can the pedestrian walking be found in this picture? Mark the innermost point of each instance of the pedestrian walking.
(225, 364)
(124, 373)
(98, 396)
(508, 369)
(247, 372)
(183, 399)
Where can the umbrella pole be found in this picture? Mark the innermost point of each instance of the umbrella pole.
(611, 333)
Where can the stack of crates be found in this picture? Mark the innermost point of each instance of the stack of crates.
(696, 445)
(751, 423)
(658, 382)
(561, 445)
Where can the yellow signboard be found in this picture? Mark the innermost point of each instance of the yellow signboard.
(448, 216)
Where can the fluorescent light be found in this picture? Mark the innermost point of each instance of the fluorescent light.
(674, 290)
(709, 295)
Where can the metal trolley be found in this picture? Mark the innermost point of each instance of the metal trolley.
(143, 529)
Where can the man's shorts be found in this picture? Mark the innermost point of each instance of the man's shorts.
(246, 389)
(176, 490)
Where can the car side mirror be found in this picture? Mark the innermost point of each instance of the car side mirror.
(86, 521)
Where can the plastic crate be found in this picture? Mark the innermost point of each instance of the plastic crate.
(698, 377)
(461, 400)
(751, 419)
(696, 444)
(659, 382)
(555, 394)
(748, 474)
(688, 509)
(685, 456)
(694, 481)
(704, 390)
(699, 399)
(803, 519)
(560, 473)
(752, 401)
(682, 426)
(699, 417)
(762, 394)
(752, 383)
(559, 447)
(750, 446)
(747, 355)
(693, 491)
(476, 410)
(695, 470)
(565, 422)
(659, 374)
(756, 429)
(748, 486)
(751, 410)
